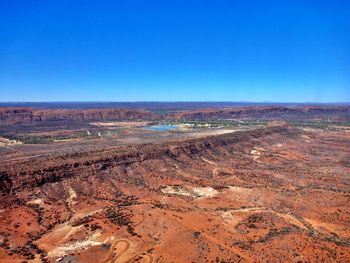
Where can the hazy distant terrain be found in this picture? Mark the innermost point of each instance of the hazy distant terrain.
(155, 105)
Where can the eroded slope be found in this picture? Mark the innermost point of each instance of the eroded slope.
(268, 194)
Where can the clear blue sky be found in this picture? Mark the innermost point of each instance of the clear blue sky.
(175, 50)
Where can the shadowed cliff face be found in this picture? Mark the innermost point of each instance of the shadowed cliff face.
(27, 115)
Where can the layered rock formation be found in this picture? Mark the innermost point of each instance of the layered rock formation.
(27, 115)
(9, 116)
(47, 170)
(341, 113)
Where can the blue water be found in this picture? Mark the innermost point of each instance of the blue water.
(161, 127)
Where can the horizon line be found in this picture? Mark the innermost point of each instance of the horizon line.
(180, 101)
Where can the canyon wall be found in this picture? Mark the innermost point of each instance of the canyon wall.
(27, 115)
(341, 113)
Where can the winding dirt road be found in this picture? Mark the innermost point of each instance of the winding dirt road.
(112, 256)
(116, 252)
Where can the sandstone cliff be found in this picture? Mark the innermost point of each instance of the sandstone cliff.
(28, 115)
(335, 113)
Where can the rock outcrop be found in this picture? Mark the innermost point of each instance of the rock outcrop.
(27, 115)
(28, 174)
(269, 112)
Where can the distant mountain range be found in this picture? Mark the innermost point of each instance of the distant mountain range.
(156, 105)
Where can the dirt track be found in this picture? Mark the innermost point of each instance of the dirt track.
(292, 204)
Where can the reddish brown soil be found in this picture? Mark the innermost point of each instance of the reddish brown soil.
(276, 194)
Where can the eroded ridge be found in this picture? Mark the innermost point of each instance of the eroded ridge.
(258, 195)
